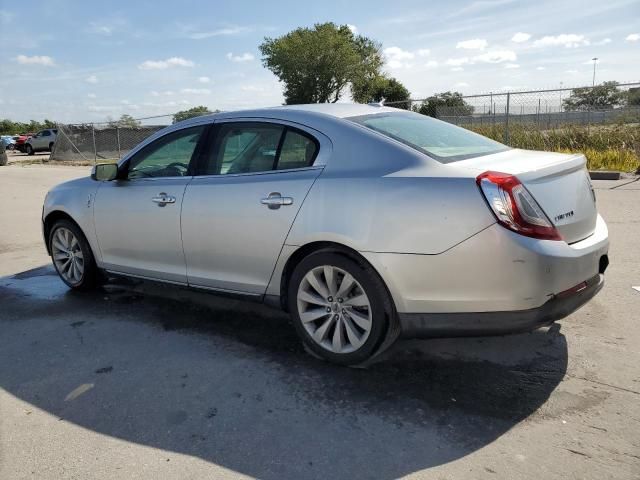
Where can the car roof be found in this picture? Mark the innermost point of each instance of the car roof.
(299, 112)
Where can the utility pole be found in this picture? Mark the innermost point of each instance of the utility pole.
(595, 61)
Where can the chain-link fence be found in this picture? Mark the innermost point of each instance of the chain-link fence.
(96, 142)
(537, 110)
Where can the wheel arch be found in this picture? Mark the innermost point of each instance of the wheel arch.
(50, 220)
(305, 250)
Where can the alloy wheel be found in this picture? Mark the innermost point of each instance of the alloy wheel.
(334, 309)
(67, 255)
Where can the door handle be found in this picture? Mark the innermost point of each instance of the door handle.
(162, 199)
(275, 201)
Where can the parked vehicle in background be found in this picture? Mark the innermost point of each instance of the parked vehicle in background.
(21, 140)
(364, 222)
(8, 141)
(41, 141)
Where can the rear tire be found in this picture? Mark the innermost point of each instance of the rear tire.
(51, 147)
(72, 256)
(339, 307)
(29, 150)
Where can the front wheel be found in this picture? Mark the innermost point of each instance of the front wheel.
(72, 256)
(340, 308)
(29, 150)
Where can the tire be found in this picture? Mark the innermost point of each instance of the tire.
(51, 147)
(339, 324)
(29, 150)
(82, 256)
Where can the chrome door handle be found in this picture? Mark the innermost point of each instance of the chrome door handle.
(162, 199)
(275, 201)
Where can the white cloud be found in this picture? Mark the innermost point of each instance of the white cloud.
(423, 52)
(398, 58)
(604, 41)
(91, 79)
(475, 44)
(567, 40)
(461, 85)
(571, 72)
(164, 64)
(220, 32)
(91, 95)
(353, 28)
(456, 62)
(35, 60)
(511, 66)
(540, 68)
(632, 37)
(457, 69)
(492, 56)
(100, 29)
(204, 79)
(166, 93)
(431, 64)
(196, 91)
(496, 56)
(520, 37)
(252, 88)
(245, 57)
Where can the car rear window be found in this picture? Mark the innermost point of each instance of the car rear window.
(440, 140)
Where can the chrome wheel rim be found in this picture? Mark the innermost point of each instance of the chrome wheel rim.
(67, 255)
(334, 309)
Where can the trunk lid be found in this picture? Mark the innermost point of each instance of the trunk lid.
(559, 182)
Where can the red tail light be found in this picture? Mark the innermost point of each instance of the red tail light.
(514, 207)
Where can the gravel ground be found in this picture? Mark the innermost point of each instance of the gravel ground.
(143, 381)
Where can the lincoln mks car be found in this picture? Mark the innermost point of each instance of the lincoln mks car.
(365, 223)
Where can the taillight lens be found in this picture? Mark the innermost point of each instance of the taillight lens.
(514, 207)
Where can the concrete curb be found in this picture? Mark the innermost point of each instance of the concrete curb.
(604, 175)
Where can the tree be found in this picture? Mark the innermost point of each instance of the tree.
(633, 97)
(317, 64)
(603, 96)
(444, 104)
(125, 121)
(379, 88)
(192, 112)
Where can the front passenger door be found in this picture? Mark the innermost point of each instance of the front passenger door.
(137, 218)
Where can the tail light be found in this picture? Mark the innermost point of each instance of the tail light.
(514, 207)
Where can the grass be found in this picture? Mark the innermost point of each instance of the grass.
(610, 147)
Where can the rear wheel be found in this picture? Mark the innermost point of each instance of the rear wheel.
(340, 309)
(51, 147)
(72, 256)
(29, 150)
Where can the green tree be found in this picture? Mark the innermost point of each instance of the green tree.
(379, 88)
(603, 96)
(633, 96)
(444, 104)
(125, 121)
(317, 64)
(192, 112)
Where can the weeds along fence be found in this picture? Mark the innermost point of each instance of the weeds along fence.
(525, 119)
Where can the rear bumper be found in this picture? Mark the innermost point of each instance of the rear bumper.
(415, 325)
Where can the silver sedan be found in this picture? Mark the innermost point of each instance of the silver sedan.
(364, 222)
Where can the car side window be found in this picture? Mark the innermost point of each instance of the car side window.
(298, 151)
(168, 156)
(46, 133)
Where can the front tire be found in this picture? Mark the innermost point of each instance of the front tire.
(72, 256)
(29, 150)
(340, 308)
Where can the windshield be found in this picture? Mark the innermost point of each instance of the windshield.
(440, 140)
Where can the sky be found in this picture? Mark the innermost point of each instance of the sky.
(82, 61)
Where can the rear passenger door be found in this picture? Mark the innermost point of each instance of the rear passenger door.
(240, 206)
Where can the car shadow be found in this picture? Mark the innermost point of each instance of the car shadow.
(228, 382)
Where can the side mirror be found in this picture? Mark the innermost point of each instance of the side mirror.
(104, 172)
